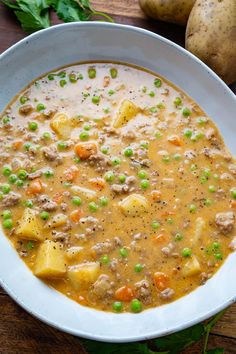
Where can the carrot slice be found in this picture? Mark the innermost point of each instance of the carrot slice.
(58, 197)
(174, 140)
(75, 215)
(17, 144)
(85, 150)
(35, 187)
(233, 204)
(156, 195)
(161, 280)
(125, 293)
(97, 183)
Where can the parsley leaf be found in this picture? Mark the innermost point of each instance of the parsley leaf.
(32, 14)
(76, 10)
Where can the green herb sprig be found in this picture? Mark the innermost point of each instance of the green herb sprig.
(172, 344)
(34, 15)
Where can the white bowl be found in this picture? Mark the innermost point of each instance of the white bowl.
(70, 43)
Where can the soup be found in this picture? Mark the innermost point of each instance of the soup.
(116, 188)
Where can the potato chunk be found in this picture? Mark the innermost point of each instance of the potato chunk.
(83, 192)
(127, 111)
(84, 274)
(134, 205)
(50, 262)
(57, 220)
(200, 225)
(192, 267)
(29, 226)
(62, 125)
(74, 253)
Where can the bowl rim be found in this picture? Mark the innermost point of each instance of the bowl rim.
(218, 80)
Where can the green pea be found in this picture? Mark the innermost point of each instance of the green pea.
(177, 157)
(196, 136)
(158, 134)
(117, 306)
(113, 73)
(33, 126)
(93, 207)
(115, 161)
(136, 306)
(124, 252)
(76, 159)
(157, 82)
(186, 252)
(144, 89)
(166, 159)
(72, 78)
(91, 73)
(23, 99)
(109, 176)
(7, 170)
(203, 179)
(193, 167)
(105, 259)
(48, 173)
(51, 77)
(161, 105)
(192, 208)
(44, 215)
(128, 152)
(63, 83)
(19, 183)
(207, 202)
(22, 174)
(103, 201)
(207, 172)
(138, 268)
(67, 184)
(6, 120)
(106, 110)
(30, 245)
(186, 112)
(80, 77)
(233, 193)
(104, 150)
(188, 133)
(177, 102)
(144, 183)
(142, 174)
(215, 245)
(76, 200)
(40, 107)
(122, 178)
(219, 256)
(144, 144)
(215, 176)
(202, 120)
(111, 92)
(12, 178)
(1, 195)
(178, 236)
(61, 145)
(46, 135)
(212, 189)
(153, 110)
(6, 214)
(29, 203)
(62, 74)
(86, 127)
(5, 188)
(7, 224)
(170, 221)
(96, 99)
(84, 136)
(152, 94)
(27, 146)
(155, 225)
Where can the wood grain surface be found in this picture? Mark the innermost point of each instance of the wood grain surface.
(20, 333)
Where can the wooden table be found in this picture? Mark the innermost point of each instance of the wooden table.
(20, 333)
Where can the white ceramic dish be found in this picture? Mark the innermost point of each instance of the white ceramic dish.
(66, 44)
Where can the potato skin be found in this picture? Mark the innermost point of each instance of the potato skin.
(211, 36)
(174, 11)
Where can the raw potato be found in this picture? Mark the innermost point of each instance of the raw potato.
(127, 111)
(211, 36)
(174, 11)
(84, 274)
(50, 262)
(29, 226)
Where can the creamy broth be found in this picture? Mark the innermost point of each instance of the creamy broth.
(116, 188)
